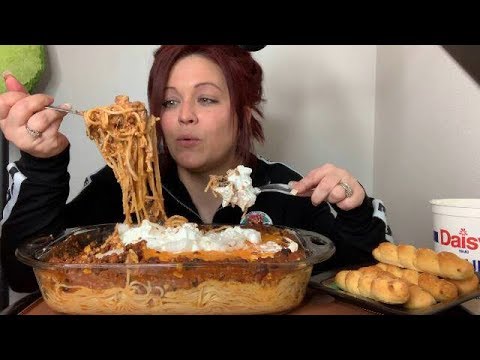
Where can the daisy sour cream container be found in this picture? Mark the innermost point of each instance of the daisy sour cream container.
(456, 228)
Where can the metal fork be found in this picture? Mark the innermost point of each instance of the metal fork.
(70, 111)
(282, 188)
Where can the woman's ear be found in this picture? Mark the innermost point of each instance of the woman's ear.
(252, 113)
(247, 113)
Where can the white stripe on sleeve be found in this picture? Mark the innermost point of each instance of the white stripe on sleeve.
(13, 192)
(379, 211)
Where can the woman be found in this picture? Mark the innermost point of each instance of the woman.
(208, 100)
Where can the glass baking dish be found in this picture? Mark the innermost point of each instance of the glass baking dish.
(186, 287)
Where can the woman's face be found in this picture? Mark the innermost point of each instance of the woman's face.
(196, 118)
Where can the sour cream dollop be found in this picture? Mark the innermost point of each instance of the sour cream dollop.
(239, 190)
(188, 238)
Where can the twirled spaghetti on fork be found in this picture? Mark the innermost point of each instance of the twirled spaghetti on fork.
(126, 137)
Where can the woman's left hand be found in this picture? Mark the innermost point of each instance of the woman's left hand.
(332, 184)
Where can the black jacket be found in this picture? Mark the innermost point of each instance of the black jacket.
(37, 196)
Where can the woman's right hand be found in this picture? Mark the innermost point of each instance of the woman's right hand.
(20, 111)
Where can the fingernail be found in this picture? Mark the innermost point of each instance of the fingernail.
(291, 183)
(6, 74)
(294, 192)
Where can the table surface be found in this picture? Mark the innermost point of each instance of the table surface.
(316, 302)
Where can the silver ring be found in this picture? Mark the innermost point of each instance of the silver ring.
(33, 133)
(348, 189)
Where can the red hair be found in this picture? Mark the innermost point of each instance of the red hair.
(244, 80)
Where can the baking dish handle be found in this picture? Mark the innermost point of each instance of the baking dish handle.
(32, 249)
(319, 246)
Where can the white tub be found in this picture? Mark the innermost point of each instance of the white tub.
(456, 228)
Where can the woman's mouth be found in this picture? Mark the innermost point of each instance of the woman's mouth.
(187, 141)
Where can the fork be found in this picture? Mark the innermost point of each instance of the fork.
(70, 111)
(282, 188)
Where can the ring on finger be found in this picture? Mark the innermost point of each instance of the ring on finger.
(348, 189)
(35, 134)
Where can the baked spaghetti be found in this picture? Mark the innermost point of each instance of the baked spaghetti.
(153, 269)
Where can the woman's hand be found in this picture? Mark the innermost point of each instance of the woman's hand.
(332, 184)
(26, 123)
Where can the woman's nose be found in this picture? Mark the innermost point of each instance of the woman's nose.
(187, 114)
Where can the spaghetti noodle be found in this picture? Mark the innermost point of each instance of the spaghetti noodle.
(126, 137)
(209, 297)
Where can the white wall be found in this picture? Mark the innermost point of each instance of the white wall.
(320, 104)
(427, 128)
(320, 107)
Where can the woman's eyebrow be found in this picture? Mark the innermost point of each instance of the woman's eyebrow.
(196, 86)
(208, 83)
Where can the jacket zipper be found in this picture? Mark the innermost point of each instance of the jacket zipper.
(181, 203)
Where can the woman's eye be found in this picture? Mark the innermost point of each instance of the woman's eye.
(169, 103)
(207, 101)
